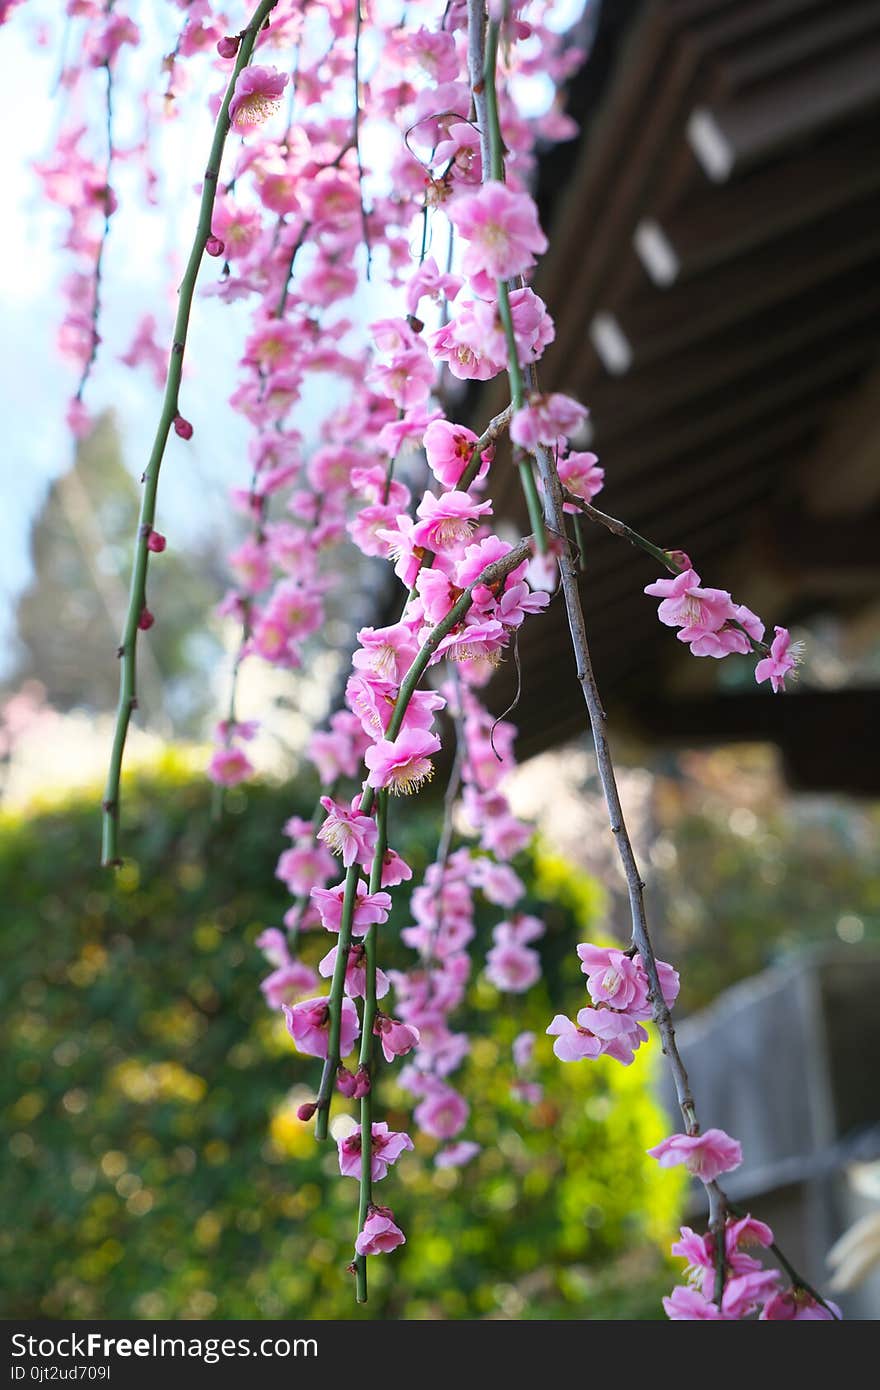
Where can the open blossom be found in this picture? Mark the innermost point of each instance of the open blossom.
(288, 982)
(501, 230)
(229, 766)
(456, 1155)
(380, 1234)
(512, 968)
(699, 1251)
(308, 1024)
(685, 603)
(448, 449)
(580, 473)
(447, 521)
(386, 652)
(704, 1155)
(257, 96)
(545, 419)
(369, 908)
(796, 1305)
(782, 659)
(347, 832)
(397, 1038)
(402, 764)
(615, 979)
(597, 1032)
(443, 1113)
(355, 972)
(387, 1146)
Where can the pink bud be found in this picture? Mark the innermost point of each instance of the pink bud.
(306, 1111)
(156, 542)
(362, 1084)
(146, 620)
(182, 427)
(345, 1082)
(228, 47)
(214, 246)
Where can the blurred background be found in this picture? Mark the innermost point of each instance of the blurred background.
(713, 277)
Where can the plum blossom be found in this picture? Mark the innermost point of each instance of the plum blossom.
(501, 229)
(782, 659)
(308, 1023)
(402, 764)
(705, 1156)
(380, 1234)
(387, 1146)
(256, 97)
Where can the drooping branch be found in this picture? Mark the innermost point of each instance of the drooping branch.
(127, 650)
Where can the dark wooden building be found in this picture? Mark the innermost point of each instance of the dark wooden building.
(714, 275)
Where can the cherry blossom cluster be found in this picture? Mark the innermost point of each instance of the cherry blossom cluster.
(611, 1025)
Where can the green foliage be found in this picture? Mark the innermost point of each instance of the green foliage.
(155, 1164)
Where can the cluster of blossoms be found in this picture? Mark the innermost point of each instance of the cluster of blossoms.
(713, 625)
(292, 231)
(619, 989)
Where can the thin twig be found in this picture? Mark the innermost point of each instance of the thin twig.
(137, 595)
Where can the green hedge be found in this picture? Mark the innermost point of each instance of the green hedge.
(155, 1166)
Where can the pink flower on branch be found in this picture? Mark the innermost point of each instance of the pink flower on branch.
(782, 659)
(387, 1146)
(501, 230)
(705, 1156)
(380, 1234)
(257, 96)
(402, 764)
(308, 1024)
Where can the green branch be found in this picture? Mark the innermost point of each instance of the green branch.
(127, 650)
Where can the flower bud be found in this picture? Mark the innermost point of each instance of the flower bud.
(345, 1082)
(156, 542)
(228, 47)
(306, 1111)
(182, 427)
(146, 620)
(214, 246)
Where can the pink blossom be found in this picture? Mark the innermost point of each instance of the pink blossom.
(402, 764)
(308, 1024)
(229, 766)
(355, 972)
(386, 652)
(615, 979)
(287, 983)
(699, 1251)
(501, 229)
(380, 1235)
(597, 1032)
(687, 605)
(512, 968)
(304, 865)
(782, 659)
(443, 1113)
(796, 1305)
(447, 521)
(397, 1038)
(704, 1155)
(369, 908)
(347, 832)
(523, 1049)
(273, 944)
(688, 1305)
(456, 1155)
(582, 476)
(449, 449)
(256, 97)
(544, 419)
(387, 1146)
